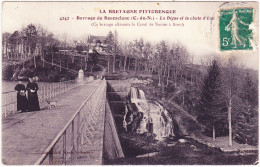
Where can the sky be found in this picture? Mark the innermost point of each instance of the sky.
(200, 37)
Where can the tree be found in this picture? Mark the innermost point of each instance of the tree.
(178, 57)
(161, 50)
(147, 52)
(94, 59)
(5, 42)
(175, 54)
(130, 49)
(210, 109)
(140, 49)
(245, 126)
(125, 52)
(31, 37)
(64, 40)
(42, 40)
(110, 47)
(86, 43)
(230, 88)
(14, 41)
(115, 50)
(245, 122)
(249, 92)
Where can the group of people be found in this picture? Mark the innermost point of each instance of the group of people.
(27, 98)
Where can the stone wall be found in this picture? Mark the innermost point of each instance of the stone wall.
(117, 94)
(112, 147)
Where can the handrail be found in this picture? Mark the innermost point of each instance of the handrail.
(57, 65)
(51, 83)
(45, 92)
(8, 92)
(8, 104)
(63, 131)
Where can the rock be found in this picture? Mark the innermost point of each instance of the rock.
(148, 134)
(171, 144)
(182, 141)
(147, 155)
(194, 148)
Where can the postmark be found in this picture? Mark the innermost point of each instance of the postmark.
(235, 30)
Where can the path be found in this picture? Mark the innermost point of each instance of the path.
(25, 136)
(57, 65)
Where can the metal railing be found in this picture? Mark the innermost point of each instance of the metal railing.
(9, 101)
(17, 57)
(48, 91)
(77, 132)
(57, 65)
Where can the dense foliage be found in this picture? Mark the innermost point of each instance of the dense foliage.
(211, 108)
(208, 90)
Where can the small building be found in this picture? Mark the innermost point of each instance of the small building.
(97, 43)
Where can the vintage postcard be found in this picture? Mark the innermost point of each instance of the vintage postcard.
(129, 83)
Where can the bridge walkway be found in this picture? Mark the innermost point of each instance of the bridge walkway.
(25, 136)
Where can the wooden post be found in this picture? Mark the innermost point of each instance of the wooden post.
(86, 62)
(114, 63)
(81, 62)
(73, 151)
(14, 103)
(5, 104)
(214, 133)
(34, 59)
(51, 57)
(51, 157)
(78, 131)
(229, 122)
(73, 57)
(108, 63)
(43, 59)
(44, 91)
(64, 148)
(60, 59)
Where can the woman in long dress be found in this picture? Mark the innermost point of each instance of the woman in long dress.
(21, 97)
(33, 101)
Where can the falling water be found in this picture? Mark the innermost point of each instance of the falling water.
(133, 95)
(153, 113)
(142, 95)
(124, 119)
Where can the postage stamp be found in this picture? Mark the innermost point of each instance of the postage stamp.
(235, 31)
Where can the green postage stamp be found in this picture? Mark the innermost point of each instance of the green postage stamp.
(234, 28)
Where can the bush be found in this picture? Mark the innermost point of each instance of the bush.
(8, 72)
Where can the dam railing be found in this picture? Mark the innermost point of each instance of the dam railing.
(49, 91)
(9, 101)
(77, 132)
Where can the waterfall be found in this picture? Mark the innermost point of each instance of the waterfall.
(124, 119)
(153, 114)
(133, 95)
(142, 96)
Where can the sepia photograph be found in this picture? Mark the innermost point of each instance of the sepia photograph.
(129, 83)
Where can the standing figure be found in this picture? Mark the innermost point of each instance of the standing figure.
(33, 101)
(21, 97)
(234, 28)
